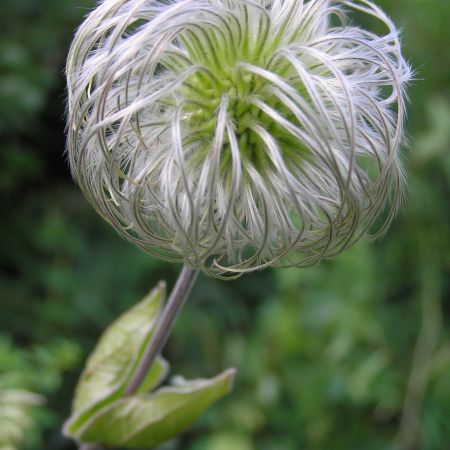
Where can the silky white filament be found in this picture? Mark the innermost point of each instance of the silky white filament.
(238, 134)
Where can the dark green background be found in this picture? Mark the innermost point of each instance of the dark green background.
(353, 354)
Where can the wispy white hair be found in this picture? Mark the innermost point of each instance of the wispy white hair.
(238, 134)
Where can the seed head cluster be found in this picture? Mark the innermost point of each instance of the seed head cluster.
(234, 135)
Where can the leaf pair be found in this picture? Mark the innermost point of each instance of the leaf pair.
(102, 414)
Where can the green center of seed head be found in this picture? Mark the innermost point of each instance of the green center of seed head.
(204, 93)
(201, 113)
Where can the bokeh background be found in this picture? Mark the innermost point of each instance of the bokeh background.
(353, 354)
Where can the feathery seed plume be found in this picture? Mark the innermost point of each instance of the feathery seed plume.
(234, 135)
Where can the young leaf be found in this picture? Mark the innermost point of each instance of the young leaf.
(115, 358)
(151, 419)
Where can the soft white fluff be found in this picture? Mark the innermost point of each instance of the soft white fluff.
(235, 135)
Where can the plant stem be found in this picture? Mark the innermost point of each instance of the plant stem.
(164, 326)
(408, 436)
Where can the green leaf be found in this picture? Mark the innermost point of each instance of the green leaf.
(148, 420)
(115, 359)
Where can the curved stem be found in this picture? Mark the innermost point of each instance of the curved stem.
(164, 326)
(408, 436)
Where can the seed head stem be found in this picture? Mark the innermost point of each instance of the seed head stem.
(164, 326)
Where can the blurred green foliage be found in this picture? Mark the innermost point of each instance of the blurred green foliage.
(353, 354)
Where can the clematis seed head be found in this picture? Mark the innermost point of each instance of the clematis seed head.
(234, 135)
